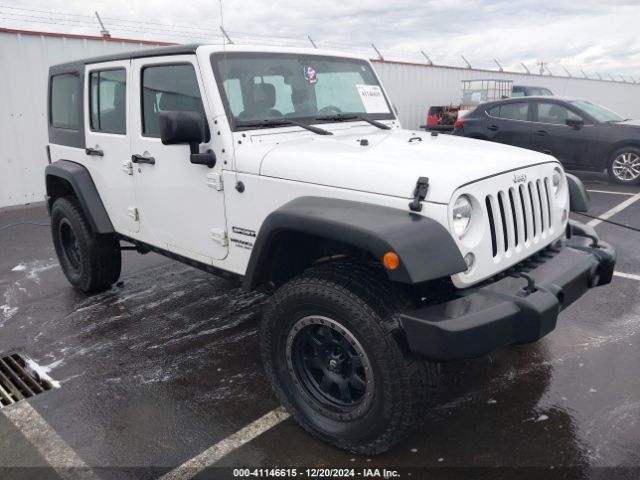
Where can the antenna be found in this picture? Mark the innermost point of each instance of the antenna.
(104, 32)
(547, 69)
(380, 57)
(465, 61)
(525, 67)
(499, 66)
(623, 79)
(426, 56)
(542, 65)
(585, 75)
(225, 35)
(599, 76)
(312, 42)
(568, 72)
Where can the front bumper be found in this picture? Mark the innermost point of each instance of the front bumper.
(520, 308)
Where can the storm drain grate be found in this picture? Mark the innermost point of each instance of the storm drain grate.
(18, 381)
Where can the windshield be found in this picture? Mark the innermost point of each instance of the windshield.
(598, 112)
(265, 86)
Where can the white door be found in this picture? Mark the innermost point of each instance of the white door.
(180, 205)
(108, 140)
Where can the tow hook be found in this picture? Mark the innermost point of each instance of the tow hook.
(531, 283)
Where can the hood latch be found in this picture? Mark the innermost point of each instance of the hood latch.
(419, 194)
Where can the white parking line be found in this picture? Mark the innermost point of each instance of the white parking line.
(617, 209)
(66, 462)
(611, 193)
(627, 275)
(213, 454)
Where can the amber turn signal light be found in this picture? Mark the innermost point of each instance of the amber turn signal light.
(391, 260)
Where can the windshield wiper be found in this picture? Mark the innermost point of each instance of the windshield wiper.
(345, 117)
(276, 122)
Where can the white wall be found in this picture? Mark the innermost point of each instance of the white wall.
(25, 60)
(24, 65)
(413, 88)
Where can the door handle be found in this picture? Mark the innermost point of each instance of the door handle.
(96, 152)
(541, 133)
(493, 128)
(142, 159)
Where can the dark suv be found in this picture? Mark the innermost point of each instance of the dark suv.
(581, 134)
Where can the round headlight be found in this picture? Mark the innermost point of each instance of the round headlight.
(462, 215)
(556, 180)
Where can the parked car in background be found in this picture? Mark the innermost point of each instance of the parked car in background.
(528, 91)
(581, 134)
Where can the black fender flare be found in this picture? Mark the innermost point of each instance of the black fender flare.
(79, 178)
(579, 199)
(425, 247)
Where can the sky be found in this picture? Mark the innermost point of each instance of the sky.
(594, 36)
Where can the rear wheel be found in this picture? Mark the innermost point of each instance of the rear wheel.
(336, 357)
(624, 166)
(91, 262)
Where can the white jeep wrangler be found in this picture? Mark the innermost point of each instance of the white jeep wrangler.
(384, 250)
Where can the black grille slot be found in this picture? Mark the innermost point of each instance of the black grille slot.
(18, 381)
(546, 189)
(503, 217)
(533, 208)
(515, 218)
(492, 227)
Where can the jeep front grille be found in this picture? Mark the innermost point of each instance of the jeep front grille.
(519, 216)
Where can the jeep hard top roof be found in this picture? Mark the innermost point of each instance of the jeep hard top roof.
(191, 49)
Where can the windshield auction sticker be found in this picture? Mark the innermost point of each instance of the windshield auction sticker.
(372, 99)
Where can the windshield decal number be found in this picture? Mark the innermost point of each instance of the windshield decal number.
(372, 99)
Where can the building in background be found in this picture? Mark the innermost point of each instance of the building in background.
(26, 56)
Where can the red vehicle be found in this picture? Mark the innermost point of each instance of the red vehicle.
(441, 118)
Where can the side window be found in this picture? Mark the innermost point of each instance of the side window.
(108, 105)
(555, 114)
(511, 111)
(168, 88)
(66, 98)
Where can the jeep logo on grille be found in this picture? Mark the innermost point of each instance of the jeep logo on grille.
(519, 178)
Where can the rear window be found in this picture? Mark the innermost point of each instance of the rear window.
(66, 98)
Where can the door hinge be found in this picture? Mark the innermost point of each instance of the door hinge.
(127, 167)
(133, 214)
(214, 180)
(419, 194)
(219, 235)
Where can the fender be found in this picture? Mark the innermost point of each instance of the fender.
(80, 181)
(579, 199)
(425, 248)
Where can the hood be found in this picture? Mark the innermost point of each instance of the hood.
(391, 162)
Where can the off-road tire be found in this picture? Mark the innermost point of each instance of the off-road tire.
(93, 263)
(635, 154)
(363, 301)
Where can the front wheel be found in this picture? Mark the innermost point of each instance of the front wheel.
(624, 166)
(91, 262)
(335, 356)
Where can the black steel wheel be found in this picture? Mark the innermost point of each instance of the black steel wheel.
(70, 245)
(91, 262)
(330, 366)
(336, 357)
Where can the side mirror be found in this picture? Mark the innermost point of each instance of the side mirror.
(576, 123)
(187, 127)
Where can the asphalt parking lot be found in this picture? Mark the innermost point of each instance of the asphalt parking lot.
(163, 372)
